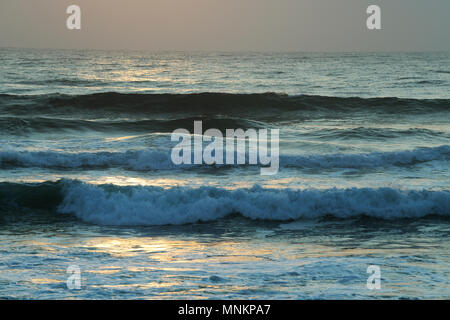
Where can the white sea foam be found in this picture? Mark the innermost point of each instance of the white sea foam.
(137, 205)
(153, 159)
(368, 160)
(134, 160)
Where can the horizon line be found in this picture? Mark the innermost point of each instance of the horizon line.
(224, 51)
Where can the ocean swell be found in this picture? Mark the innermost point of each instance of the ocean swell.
(209, 103)
(154, 159)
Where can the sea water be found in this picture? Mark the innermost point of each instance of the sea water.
(86, 177)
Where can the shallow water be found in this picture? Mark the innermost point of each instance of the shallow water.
(229, 258)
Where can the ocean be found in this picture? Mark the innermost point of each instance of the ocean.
(87, 181)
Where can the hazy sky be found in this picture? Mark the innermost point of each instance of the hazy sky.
(230, 25)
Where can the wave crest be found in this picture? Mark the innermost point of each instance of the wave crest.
(138, 205)
(160, 159)
(156, 206)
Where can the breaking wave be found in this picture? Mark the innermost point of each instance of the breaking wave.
(138, 205)
(152, 159)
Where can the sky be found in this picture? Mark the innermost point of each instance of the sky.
(227, 25)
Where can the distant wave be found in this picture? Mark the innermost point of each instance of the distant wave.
(62, 82)
(160, 159)
(14, 125)
(137, 205)
(22, 125)
(375, 133)
(441, 71)
(207, 103)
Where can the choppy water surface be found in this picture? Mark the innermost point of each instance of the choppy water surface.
(86, 177)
